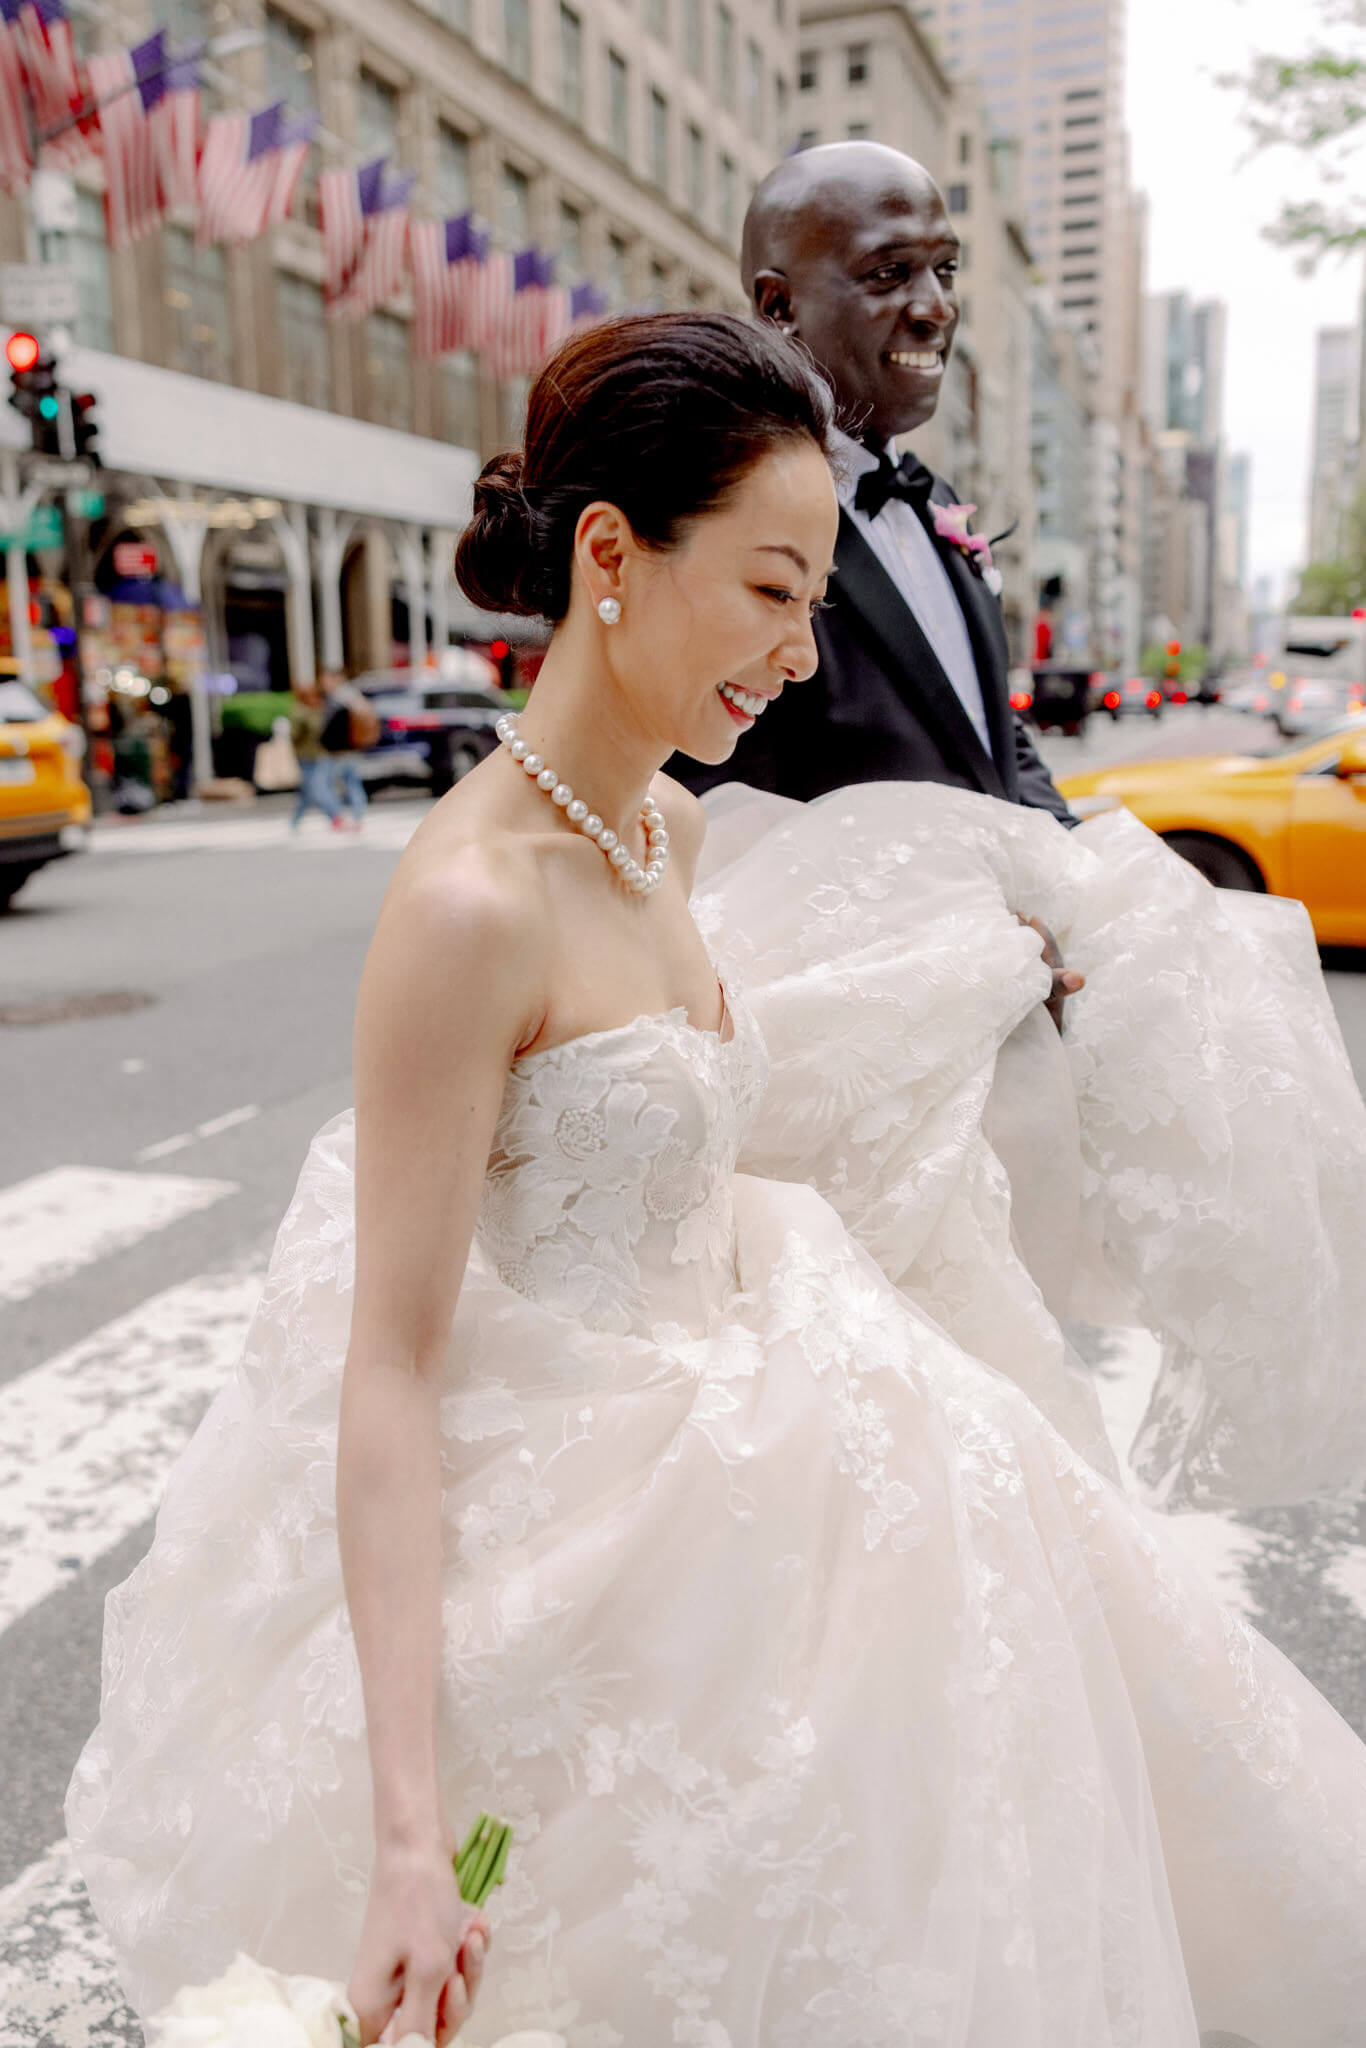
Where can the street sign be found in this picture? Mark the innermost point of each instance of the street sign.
(134, 561)
(50, 473)
(44, 528)
(38, 294)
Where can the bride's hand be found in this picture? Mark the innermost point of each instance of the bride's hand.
(421, 1951)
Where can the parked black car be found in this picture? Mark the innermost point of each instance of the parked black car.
(433, 728)
(1058, 696)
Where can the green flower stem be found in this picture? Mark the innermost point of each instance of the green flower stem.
(482, 1859)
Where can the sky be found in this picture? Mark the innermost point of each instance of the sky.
(1209, 204)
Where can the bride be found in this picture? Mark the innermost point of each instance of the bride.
(747, 1538)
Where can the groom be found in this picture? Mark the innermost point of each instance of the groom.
(849, 249)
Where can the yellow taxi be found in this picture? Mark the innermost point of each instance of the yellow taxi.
(1292, 823)
(44, 803)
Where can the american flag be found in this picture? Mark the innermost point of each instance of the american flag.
(16, 156)
(379, 208)
(117, 82)
(290, 153)
(237, 174)
(172, 102)
(54, 80)
(586, 304)
(342, 203)
(448, 289)
(535, 318)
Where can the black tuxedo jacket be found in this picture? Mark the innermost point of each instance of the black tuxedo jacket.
(880, 708)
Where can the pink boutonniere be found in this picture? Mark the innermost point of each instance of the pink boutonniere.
(951, 525)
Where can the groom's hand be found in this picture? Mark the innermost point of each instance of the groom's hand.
(1066, 980)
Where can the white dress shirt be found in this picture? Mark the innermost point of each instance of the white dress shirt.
(904, 548)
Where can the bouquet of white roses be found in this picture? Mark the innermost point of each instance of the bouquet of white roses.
(250, 2006)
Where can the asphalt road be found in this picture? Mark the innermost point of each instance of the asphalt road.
(175, 1016)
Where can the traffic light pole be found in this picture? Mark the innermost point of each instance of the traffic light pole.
(76, 553)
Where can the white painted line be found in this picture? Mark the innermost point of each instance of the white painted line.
(88, 1438)
(228, 1121)
(386, 830)
(58, 1982)
(59, 1221)
(164, 1147)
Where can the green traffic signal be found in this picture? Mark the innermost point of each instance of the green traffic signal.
(48, 406)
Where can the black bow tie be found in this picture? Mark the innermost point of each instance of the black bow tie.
(908, 479)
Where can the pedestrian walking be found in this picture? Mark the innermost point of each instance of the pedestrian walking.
(349, 727)
(317, 789)
(849, 249)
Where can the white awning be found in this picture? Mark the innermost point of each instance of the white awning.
(159, 423)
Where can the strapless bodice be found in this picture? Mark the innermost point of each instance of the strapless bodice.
(608, 1195)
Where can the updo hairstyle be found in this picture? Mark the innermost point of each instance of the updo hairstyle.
(661, 414)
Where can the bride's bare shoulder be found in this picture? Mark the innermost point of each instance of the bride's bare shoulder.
(466, 911)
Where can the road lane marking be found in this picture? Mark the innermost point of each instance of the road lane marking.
(164, 1147)
(88, 1439)
(58, 1222)
(58, 1980)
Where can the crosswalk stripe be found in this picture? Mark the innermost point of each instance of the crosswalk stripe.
(58, 1984)
(88, 1438)
(59, 1221)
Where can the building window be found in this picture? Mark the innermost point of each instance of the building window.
(659, 139)
(618, 104)
(858, 131)
(754, 90)
(727, 196)
(808, 70)
(1080, 148)
(780, 12)
(618, 257)
(725, 55)
(1087, 171)
(196, 296)
(694, 174)
(657, 19)
(692, 37)
(659, 286)
(87, 251)
(571, 242)
(1079, 277)
(516, 208)
(856, 63)
(452, 169)
(571, 64)
(808, 138)
(289, 62)
(779, 108)
(517, 38)
(965, 149)
(376, 117)
(958, 199)
(388, 373)
(459, 400)
(303, 339)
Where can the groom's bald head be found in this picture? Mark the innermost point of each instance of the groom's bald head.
(849, 248)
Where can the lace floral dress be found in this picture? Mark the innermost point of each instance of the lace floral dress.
(839, 1700)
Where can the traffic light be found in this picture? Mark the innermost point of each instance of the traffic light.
(33, 391)
(85, 428)
(503, 655)
(1172, 665)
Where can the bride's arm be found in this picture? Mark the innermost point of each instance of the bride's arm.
(450, 990)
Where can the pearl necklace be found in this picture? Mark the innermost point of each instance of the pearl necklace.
(641, 881)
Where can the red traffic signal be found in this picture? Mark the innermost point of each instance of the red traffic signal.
(499, 650)
(21, 351)
(1173, 648)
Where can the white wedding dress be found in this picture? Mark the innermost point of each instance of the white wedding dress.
(839, 1700)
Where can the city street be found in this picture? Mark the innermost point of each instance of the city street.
(177, 1012)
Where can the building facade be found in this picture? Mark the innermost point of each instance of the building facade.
(304, 478)
(1053, 80)
(1333, 460)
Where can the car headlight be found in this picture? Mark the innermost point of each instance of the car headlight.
(72, 738)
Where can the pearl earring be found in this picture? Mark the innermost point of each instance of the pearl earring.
(609, 610)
